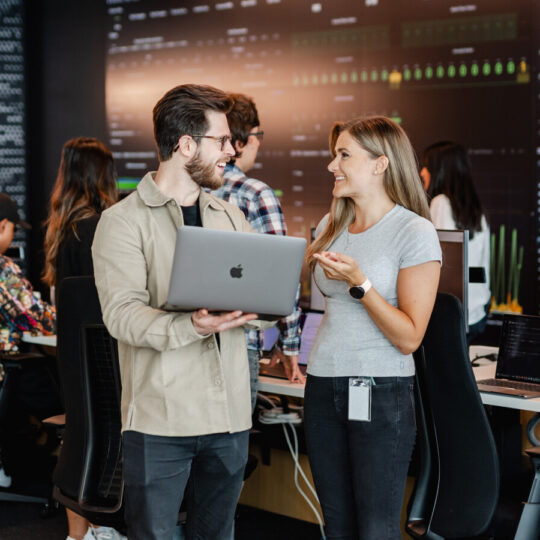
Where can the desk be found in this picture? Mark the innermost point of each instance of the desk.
(286, 388)
(48, 341)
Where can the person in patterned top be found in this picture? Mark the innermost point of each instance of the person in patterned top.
(21, 309)
(263, 212)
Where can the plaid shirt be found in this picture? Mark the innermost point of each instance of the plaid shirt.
(263, 212)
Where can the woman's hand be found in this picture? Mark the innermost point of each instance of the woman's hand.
(340, 267)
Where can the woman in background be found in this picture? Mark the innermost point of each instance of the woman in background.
(376, 258)
(455, 205)
(84, 187)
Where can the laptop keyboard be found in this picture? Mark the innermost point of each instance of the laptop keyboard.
(532, 387)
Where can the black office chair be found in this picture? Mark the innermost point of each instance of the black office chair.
(88, 476)
(457, 486)
(36, 485)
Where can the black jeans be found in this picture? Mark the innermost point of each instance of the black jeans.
(156, 471)
(360, 468)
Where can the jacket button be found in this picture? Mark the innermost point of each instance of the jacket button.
(211, 345)
(217, 381)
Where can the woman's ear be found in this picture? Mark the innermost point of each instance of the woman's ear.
(381, 164)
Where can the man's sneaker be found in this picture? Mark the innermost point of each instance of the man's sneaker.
(107, 533)
(5, 480)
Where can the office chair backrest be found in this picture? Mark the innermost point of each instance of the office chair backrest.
(88, 477)
(467, 479)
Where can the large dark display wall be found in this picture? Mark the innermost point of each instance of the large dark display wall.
(13, 110)
(444, 70)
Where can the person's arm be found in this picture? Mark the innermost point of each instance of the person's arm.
(441, 213)
(405, 325)
(24, 303)
(121, 274)
(265, 216)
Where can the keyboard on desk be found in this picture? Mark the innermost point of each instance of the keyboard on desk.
(513, 388)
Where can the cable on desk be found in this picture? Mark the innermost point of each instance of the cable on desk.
(275, 415)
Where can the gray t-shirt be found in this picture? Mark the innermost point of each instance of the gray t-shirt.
(348, 343)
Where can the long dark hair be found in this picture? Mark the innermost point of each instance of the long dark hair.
(450, 169)
(84, 187)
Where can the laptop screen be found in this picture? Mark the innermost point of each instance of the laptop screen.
(519, 351)
(312, 319)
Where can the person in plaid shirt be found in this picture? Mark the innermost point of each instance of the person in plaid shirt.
(263, 212)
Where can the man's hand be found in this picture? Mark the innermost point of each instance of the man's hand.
(290, 365)
(205, 323)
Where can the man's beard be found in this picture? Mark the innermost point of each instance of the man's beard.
(203, 173)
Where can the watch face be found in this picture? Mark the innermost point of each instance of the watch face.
(357, 292)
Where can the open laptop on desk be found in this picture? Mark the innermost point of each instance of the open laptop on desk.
(518, 364)
(311, 322)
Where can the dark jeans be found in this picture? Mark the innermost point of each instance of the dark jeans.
(360, 468)
(156, 471)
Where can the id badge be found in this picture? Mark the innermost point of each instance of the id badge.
(360, 398)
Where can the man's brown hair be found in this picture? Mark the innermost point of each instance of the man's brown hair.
(242, 118)
(182, 111)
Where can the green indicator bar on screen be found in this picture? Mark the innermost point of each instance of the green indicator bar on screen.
(344, 78)
(429, 72)
(451, 71)
(364, 76)
(334, 78)
(278, 192)
(374, 76)
(439, 72)
(396, 119)
(486, 68)
(314, 79)
(384, 75)
(417, 73)
(511, 67)
(407, 74)
(324, 78)
(475, 70)
(462, 70)
(498, 68)
(127, 183)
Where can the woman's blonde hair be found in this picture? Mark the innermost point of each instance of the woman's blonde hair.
(378, 136)
(84, 187)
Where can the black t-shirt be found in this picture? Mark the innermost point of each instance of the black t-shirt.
(192, 215)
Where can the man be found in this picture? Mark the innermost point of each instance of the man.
(263, 212)
(185, 376)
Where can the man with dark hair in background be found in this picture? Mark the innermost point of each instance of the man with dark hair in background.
(185, 376)
(263, 212)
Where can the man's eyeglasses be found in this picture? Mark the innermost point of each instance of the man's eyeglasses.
(259, 135)
(221, 140)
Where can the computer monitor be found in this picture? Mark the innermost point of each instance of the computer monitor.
(455, 268)
(310, 322)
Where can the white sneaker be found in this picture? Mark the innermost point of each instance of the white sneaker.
(107, 533)
(5, 480)
(88, 536)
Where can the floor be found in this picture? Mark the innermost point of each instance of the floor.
(22, 521)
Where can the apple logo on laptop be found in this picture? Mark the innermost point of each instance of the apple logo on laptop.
(236, 271)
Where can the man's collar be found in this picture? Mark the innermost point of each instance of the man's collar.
(152, 196)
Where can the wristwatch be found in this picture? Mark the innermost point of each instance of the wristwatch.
(359, 291)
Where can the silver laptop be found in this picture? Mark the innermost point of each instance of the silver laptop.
(518, 362)
(227, 270)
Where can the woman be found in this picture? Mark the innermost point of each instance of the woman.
(456, 205)
(85, 186)
(376, 259)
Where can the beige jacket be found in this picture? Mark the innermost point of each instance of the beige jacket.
(174, 381)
